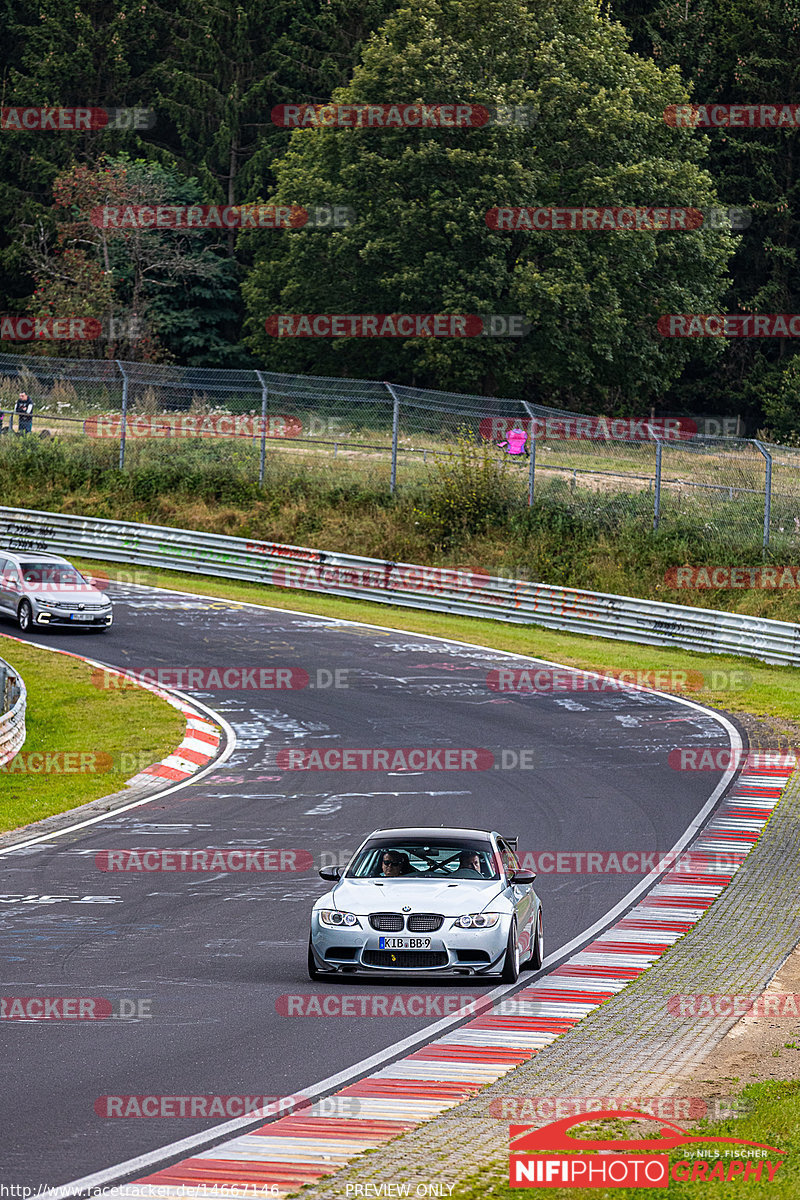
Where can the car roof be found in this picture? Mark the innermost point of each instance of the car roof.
(434, 831)
(39, 555)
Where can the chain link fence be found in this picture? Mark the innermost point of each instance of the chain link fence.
(275, 428)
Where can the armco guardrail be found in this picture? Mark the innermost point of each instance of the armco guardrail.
(434, 588)
(12, 717)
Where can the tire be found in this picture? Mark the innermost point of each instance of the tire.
(537, 951)
(25, 615)
(510, 972)
(313, 970)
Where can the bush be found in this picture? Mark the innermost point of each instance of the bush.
(469, 491)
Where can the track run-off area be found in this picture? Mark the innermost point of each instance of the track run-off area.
(203, 969)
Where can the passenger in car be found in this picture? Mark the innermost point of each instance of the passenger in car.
(469, 865)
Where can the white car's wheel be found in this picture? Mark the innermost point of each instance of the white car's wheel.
(24, 615)
(537, 946)
(313, 970)
(511, 960)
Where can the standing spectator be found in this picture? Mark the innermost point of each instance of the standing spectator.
(24, 411)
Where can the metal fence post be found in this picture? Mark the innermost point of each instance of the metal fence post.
(532, 465)
(124, 425)
(264, 398)
(767, 490)
(395, 433)
(657, 490)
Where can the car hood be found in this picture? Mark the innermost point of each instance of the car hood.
(65, 595)
(375, 895)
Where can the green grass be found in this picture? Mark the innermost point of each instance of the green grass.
(765, 691)
(774, 1120)
(67, 712)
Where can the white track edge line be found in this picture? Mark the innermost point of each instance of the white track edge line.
(152, 1157)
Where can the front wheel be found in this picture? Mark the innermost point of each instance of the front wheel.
(511, 960)
(24, 615)
(537, 950)
(313, 970)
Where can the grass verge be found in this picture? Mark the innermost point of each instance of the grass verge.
(774, 1120)
(124, 729)
(738, 685)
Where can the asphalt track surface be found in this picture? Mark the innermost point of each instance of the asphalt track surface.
(213, 953)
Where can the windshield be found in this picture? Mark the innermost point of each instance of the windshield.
(419, 860)
(52, 575)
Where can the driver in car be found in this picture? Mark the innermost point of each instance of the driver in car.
(395, 863)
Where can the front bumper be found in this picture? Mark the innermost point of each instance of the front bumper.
(45, 614)
(349, 950)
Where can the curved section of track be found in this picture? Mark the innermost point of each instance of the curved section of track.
(215, 953)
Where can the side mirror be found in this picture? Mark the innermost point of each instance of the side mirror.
(523, 877)
(330, 873)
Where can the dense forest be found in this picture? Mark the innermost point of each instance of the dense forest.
(191, 94)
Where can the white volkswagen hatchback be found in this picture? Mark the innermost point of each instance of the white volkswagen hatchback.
(44, 589)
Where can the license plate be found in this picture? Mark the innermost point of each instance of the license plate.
(81, 617)
(404, 943)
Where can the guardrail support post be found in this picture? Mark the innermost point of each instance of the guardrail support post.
(264, 399)
(395, 434)
(767, 490)
(657, 490)
(532, 465)
(124, 425)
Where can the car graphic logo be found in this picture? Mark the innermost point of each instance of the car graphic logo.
(406, 908)
(554, 1136)
(81, 607)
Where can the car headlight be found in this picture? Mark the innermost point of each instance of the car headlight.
(337, 919)
(477, 920)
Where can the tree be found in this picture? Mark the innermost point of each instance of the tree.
(741, 51)
(421, 243)
(178, 286)
(55, 53)
(229, 64)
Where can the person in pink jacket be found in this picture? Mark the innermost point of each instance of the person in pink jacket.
(515, 441)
